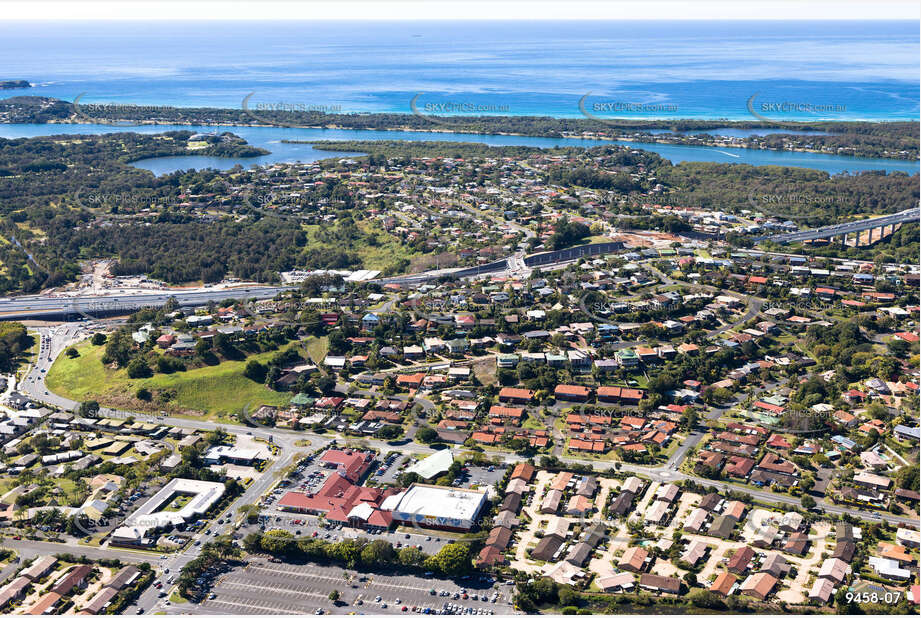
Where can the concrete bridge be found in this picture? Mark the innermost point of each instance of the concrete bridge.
(878, 225)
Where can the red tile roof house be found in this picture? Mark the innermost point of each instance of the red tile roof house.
(608, 394)
(772, 462)
(779, 442)
(632, 422)
(634, 559)
(571, 392)
(485, 437)
(74, 578)
(753, 430)
(328, 403)
(739, 467)
(769, 407)
(410, 380)
(382, 415)
(723, 584)
(759, 585)
(616, 394)
(631, 396)
(727, 436)
(593, 446)
(524, 471)
(740, 560)
(516, 395)
(499, 415)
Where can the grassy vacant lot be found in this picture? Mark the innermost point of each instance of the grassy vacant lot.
(386, 254)
(219, 390)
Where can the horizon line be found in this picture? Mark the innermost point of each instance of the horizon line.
(358, 11)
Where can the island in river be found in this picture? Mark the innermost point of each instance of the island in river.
(890, 140)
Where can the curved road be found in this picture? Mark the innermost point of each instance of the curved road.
(60, 337)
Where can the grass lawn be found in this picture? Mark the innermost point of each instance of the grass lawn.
(386, 254)
(221, 389)
(177, 503)
(533, 423)
(317, 347)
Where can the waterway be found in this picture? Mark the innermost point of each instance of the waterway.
(271, 139)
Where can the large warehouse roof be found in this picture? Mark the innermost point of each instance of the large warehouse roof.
(433, 501)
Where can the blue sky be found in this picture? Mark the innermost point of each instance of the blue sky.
(385, 10)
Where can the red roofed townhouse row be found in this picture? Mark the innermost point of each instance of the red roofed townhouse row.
(571, 392)
(516, 395)
(591, 446)
(769, 407)
(617, 394)
(502, 414)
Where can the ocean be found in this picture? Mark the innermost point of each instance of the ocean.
(782, 70)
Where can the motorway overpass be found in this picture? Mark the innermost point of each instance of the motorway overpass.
(851, 227)
(93, 307)
(535, 260)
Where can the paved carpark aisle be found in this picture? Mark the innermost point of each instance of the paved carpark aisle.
(273, 588)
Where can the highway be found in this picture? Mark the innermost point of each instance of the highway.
(838, 229)
(92, 307)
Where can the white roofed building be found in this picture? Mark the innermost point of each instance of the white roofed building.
(433, 506)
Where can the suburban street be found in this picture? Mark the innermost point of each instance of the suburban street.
(292, 594)
(285, 439)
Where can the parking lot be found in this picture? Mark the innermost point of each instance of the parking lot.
(310, 526)
(390, 469)
(265, 587)
(480, 477)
